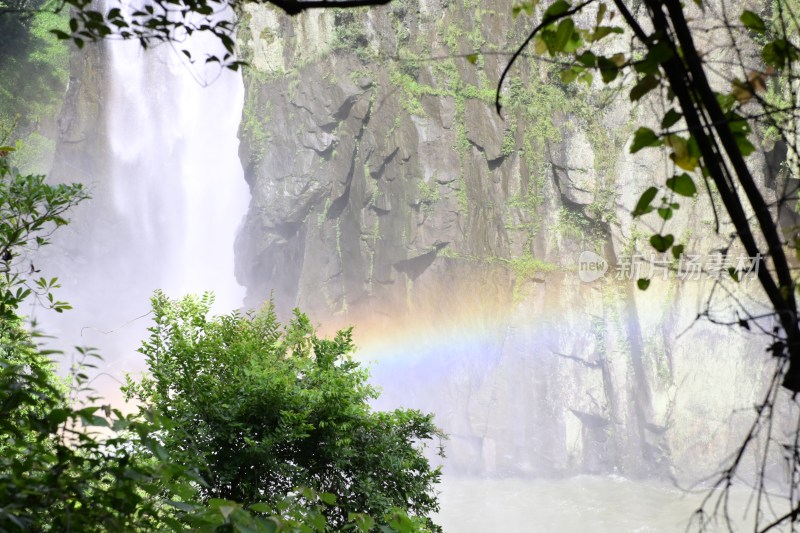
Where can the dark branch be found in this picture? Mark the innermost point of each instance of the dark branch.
(294, 7)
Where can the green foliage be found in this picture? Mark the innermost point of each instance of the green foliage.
(526, 268)
(560, 33)
(55, 473)
(261, 410)
(682, 184)
(256, 113)
(428, 194)
(33, 78)
(67, 464)
(29, 211)
(350, 33)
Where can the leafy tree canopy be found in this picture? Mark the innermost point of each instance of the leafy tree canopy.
(253, 416)
(260, 410)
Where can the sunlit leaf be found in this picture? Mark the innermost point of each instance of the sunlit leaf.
(682, 155)
(682, 184)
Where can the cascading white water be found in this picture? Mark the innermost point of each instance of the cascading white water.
(166, 209)
(177, 180)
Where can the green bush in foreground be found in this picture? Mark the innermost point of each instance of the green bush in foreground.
(77, 466)
(261, 409)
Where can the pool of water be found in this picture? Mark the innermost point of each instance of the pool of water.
(585, 504)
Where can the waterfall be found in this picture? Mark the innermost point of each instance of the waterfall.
(177, 180)
(166, 206)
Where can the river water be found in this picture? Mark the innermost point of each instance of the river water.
(582, 504)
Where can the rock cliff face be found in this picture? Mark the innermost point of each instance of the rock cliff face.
(387, 192)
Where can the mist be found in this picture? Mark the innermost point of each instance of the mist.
(568, 404)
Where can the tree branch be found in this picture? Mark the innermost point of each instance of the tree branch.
(294, 7)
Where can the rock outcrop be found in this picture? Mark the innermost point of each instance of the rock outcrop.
(387, 192)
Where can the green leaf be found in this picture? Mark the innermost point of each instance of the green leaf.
(655, 57)
(645, 85)
(744, 144)
(643, 205)
(684, 154)
(662, 243)
(677, 251)
(260, 507)
(753, 22)
(472, 58)
(665, 212)
(726, 101)
(587, 59)
(327, 498)
(556, 8)
(57, 416)
(183, 506)
(570, 74)
(601, 12)
(737, 123)
(604, 31)
(643, 138)
(682, 184)
(778, 53)
(670, 119)
(62, 35)
(643, 284)
(608, 69)
(563, 34)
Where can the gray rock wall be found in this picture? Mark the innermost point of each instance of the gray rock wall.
(387, 192)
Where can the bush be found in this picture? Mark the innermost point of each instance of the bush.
(260, 410)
